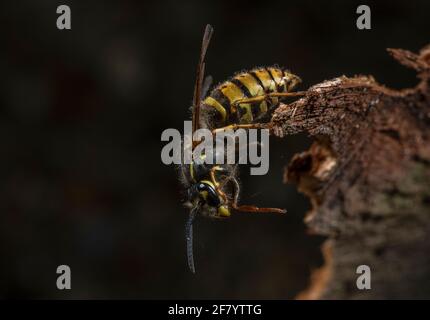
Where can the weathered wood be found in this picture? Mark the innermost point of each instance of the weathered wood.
(367, 175)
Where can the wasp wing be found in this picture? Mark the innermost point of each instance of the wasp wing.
(206, 86)
(199, 77)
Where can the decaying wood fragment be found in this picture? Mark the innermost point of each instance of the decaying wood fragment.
(367, 175)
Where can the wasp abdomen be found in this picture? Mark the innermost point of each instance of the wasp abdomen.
(225, 99)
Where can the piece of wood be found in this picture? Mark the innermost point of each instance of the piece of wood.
(367, 175)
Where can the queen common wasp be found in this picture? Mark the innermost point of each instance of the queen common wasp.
(245, 101)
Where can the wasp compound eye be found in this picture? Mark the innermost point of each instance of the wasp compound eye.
(208, 194)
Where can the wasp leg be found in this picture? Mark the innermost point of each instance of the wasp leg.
(236, 126)
(216, 183)
(254, 209)
(269, 95)
(250, 208)
(287, 94)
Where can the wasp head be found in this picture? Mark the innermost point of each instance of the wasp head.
(209, 200)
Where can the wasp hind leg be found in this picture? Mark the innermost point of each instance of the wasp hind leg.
(267, 96)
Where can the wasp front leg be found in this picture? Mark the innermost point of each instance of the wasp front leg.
(236, 126)
(215, 181)
(250, 208)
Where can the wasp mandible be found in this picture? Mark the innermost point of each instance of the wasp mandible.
(244, 101)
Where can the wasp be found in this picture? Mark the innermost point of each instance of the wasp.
(244, 101)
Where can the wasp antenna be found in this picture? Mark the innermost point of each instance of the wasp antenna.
(189, 238)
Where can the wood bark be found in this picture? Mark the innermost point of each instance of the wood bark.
(367, 175)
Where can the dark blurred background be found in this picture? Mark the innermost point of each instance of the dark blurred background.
(82, 111)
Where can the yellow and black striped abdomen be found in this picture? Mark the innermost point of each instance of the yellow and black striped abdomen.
(223, 100)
